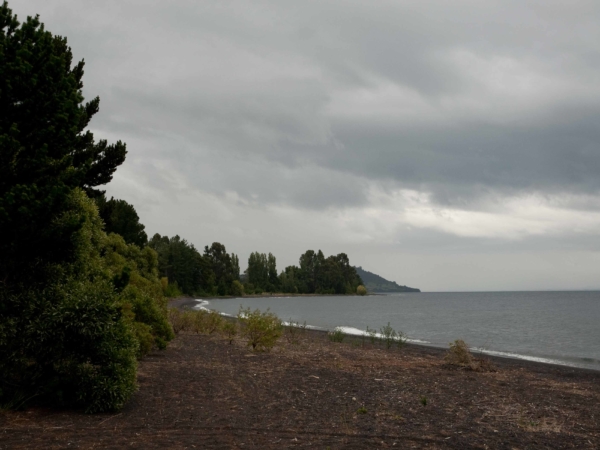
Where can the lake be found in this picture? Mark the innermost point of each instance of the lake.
(554, 327)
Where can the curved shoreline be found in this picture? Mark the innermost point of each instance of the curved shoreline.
(512, 360)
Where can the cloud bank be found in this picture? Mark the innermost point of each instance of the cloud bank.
(405, 131)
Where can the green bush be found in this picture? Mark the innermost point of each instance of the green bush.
(172, 290)
(142, 298)
(391, 336)
(261, 329)
(67, 341)
(230, 329)
(361, 290)
(388, 334)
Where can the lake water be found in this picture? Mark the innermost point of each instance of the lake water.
(555, 327)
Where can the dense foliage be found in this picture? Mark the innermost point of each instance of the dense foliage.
(261, 274)
(320, 275)
(45, 150)
(76, 305)
(121, 218)
(66, 341)
(211, 273)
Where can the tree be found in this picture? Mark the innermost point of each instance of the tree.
(257, 271)
(182, 264)
(121, 218)
(45, 150)
(272, 273)
(64, 337)
(222, 266)
(310, 266)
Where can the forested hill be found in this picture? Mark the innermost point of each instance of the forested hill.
(375, 283)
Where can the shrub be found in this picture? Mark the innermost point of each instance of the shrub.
(230, 329)
(180, 320)
(172, 290)
(262, 329)
(361, 290)
(213, 321)
(140, 291)
(389, 335)
(337, 335)
(197, 320)
(66, 341)
(459, 355)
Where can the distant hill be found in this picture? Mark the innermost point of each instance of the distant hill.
(375, 283)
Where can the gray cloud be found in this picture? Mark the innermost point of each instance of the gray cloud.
(321, 106)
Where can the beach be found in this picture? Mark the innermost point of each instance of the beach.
(309, 392)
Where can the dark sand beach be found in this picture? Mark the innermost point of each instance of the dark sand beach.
(309, 392)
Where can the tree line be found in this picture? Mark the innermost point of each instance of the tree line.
(216, 272)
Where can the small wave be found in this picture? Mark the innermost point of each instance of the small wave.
(201, 304)
(520, 356)
(297, 325)
(357, 332)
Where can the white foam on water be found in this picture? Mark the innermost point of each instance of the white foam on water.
(201, 304)
(519, 356)
(356, 332)
(297, 325)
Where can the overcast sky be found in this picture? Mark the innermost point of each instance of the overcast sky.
(443, 145)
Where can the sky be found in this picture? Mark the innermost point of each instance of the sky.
(449, 146)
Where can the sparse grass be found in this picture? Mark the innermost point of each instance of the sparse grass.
(336, 335)
(361, 410)
(423, 400)
(294, 329)
(372, 335)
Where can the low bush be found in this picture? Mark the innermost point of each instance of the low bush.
(459, 355)
(213, 322)
(197, 320)
(171, 290)
(261, 329)
(391, 336)
(361, 290)
(230, 329)
(180, 320)
(337, 335)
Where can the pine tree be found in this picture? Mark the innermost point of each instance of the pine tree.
(45, 150)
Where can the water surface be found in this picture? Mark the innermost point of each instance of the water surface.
(560, 327)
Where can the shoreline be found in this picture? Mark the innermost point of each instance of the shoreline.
(204, 391)
(516, 360)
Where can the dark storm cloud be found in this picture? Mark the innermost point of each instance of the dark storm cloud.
(465, 100)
